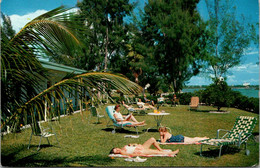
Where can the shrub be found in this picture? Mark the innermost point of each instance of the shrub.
(218, 94)
(185, 98)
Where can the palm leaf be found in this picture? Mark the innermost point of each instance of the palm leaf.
(20, 69)
(34, 110)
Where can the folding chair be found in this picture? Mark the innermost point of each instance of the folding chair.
(161, 101)
(38, 130)
(95, 113)
(127, 100)
(237, 136)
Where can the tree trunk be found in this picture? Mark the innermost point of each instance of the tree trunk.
(106, 50)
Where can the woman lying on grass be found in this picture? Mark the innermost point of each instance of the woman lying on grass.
(138, 149)
(165, 136)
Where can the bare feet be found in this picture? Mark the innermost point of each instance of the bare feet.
(176, 151)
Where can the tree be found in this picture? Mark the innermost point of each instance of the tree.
(219, 94)
(7, 28)
(176, 31)
(106, 34)
(228, 37)
(20, 70)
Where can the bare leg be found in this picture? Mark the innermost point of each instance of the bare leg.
(131, 117)
(194, 140)
(151, 142)
(154, 151)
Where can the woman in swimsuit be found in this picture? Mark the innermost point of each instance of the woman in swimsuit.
(165, 136)
(142, 105)
(126, 119)
(130, 108)
(138, 149)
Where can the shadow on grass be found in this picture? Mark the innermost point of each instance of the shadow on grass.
(203, 111)
(152, 130)
(35, 160)
(123, 131)
(35, 147)
(214, 153)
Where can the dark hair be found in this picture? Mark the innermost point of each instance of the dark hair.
(117, 106)
(112, 151)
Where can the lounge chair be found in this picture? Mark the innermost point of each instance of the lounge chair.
(161, 101)
(38, 130)
(110, 112)
(134, 110)
(95, 113)
(194, 103)
(127, 100)
(238, 135)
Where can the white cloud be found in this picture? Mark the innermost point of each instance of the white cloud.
(251, 51)
(249, 68)
(231, 79)
(19, 22)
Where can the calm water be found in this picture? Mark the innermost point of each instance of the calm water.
(250, 92)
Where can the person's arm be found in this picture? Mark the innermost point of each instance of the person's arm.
(163, 138)
(118, 120)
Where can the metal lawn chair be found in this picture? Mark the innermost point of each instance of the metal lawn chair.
(161, 101)
(110, 113)
(38, 130)
(237, 136)
(95, 113)
(127, 100)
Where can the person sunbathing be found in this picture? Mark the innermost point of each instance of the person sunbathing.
(126, 119)
(148, 101)
(131, 108)
(165, 136)
(138, 149)
(141, 104)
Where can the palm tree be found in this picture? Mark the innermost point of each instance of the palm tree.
(49, 34)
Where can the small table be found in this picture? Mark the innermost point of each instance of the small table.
(158, 118)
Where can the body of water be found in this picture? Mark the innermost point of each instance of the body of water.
(249, 92)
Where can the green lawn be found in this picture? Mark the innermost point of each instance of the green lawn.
(83, 143)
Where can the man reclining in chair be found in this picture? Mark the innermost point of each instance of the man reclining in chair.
(138, 149)
(126, 119)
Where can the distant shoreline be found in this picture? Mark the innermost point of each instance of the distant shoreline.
(251, 91)
(233, 87)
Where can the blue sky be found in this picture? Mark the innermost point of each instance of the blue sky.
(22, 11)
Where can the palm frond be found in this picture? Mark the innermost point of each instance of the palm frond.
(21, 71)
(33, 110)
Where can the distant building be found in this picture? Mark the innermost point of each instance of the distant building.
(246, 84)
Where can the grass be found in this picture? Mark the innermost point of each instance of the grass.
(82, 143)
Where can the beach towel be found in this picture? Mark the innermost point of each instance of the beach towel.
(179, 143)
(154, 155)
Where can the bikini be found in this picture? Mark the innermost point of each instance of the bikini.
(177, 138)
(133, 149)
